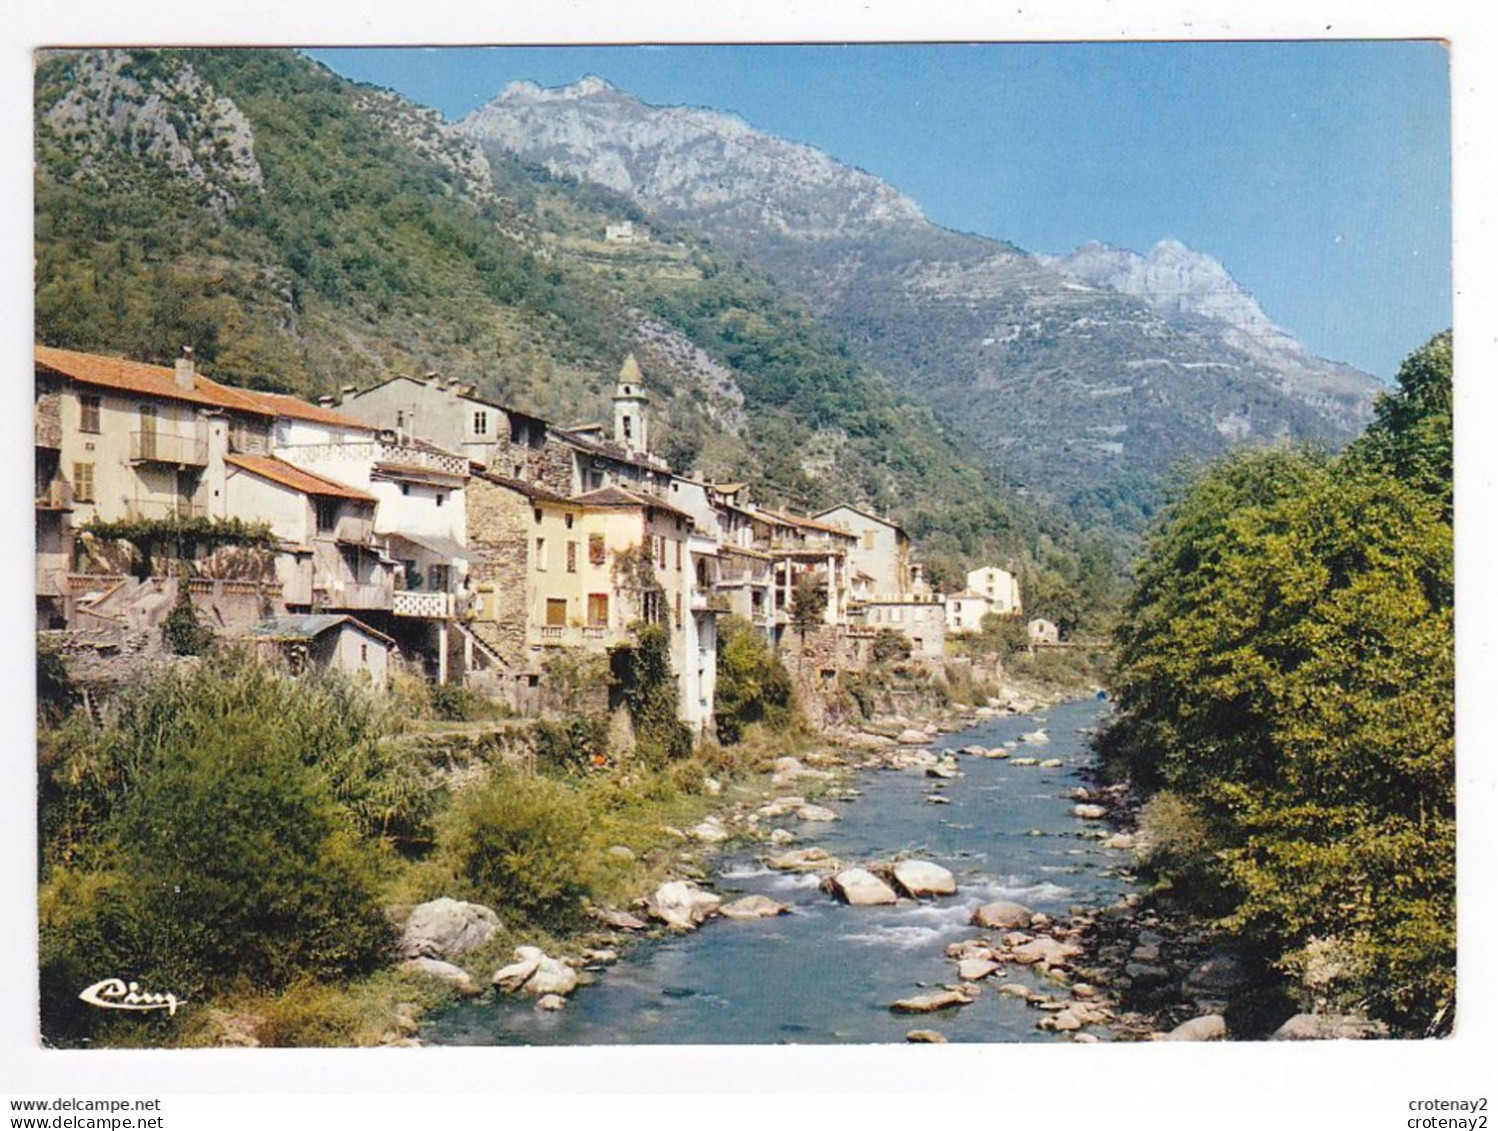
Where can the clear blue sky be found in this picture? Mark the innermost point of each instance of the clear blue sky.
(1318, 173)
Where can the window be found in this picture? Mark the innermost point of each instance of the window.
(678, 608)
(595, 549)
(660, 550)
(400, 420)
(364, 653)
(598, 610)
(571, 557)
(481, 423)
(413, 573)
(438, 577)
(537, 513)
(568, 520)
(556, 612)
(540, 553)
(868, 539)
(441, 498)
(327, 514)
(88, 414)
(678, 555)
(83, 482)
(405, 488)
(629, 430)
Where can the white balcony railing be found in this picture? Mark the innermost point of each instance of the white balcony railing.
(413, 603)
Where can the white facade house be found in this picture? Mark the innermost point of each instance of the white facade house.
(1043, 632)
(999, 586)
(966, 610)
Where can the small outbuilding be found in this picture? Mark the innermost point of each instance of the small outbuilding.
(325, 640)
(1043, 631)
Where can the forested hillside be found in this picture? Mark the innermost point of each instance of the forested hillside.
(303, 233)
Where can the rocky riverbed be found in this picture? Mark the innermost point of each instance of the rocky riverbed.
(908, 884)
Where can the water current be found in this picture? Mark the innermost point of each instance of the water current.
(826, 972)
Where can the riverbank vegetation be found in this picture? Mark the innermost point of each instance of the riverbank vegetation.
(248, 841)
(1284, 679)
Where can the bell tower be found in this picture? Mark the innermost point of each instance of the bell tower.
(631, 427)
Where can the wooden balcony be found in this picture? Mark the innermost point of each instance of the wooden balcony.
(168, 448)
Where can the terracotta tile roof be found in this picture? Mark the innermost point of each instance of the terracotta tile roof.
(615, 496)
(280, 404)
(160, 381)
(279, 471)
(807, 523)
(138, 377)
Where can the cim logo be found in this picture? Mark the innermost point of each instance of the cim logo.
(112, 993)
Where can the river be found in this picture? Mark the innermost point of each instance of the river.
(826, 972)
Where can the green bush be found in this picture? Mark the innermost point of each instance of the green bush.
(456, 703)
(517, 844)
(890, 645)
(753, 685)
(644, 680)
(570, 745)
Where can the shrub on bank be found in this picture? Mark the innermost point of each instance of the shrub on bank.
(517, 844)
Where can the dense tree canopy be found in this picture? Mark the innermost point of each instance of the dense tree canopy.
(1285, 670)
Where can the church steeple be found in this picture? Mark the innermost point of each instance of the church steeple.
(631, 425)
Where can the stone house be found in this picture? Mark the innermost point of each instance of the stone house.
(881, 550)
(1043, 632)
(326, 640)
(999, 586)
(922, 622)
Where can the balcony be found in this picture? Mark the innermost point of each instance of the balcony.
(352, 595)
(165, 447)
(57, 495)
(431, 606)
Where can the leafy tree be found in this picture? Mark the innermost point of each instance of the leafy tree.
(184, 635)
(753, 685)
(1411, 432)
(1285, 668)
(644, 680)
(808, 603)
(890, 644)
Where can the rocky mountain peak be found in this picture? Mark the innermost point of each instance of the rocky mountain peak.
(687, 161)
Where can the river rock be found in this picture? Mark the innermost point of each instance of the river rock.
(710, 831)
(1024, 761)
(1122, 841)
(1015, 989)
(1002, 915)
(913, 737)
(1035, 738)
(937, 799)
(1218, 977)
(996, 752)
(1212, 1027)
(779, 807)
(974, 751)
(619, 920)
(921, 877)
(1328, 1027)
(621, 852)
(943, 769)
(682, 905)
(1062, 1021)
(930, 1003)
(455, 976)
(445, 928)
(972, 969)
(815, 813)
(925, 1037)
(1050, 764)
(551, 1003)
(602, 956)
(510, 978)
(1089, 812)
(1045, 952)
(803, 860)
(781, 836)
(861, 888)
(753, 907)
(551, 976)
(1144, 975)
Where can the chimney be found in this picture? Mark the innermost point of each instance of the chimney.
(326, 402)
(185, 370)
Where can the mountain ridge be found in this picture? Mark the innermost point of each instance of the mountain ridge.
(1069, 386)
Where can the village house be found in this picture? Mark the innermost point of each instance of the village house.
(966, 610)
(999, 586)
(1043, 632)
(323, 641)
(921, 621)
(881, 551)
